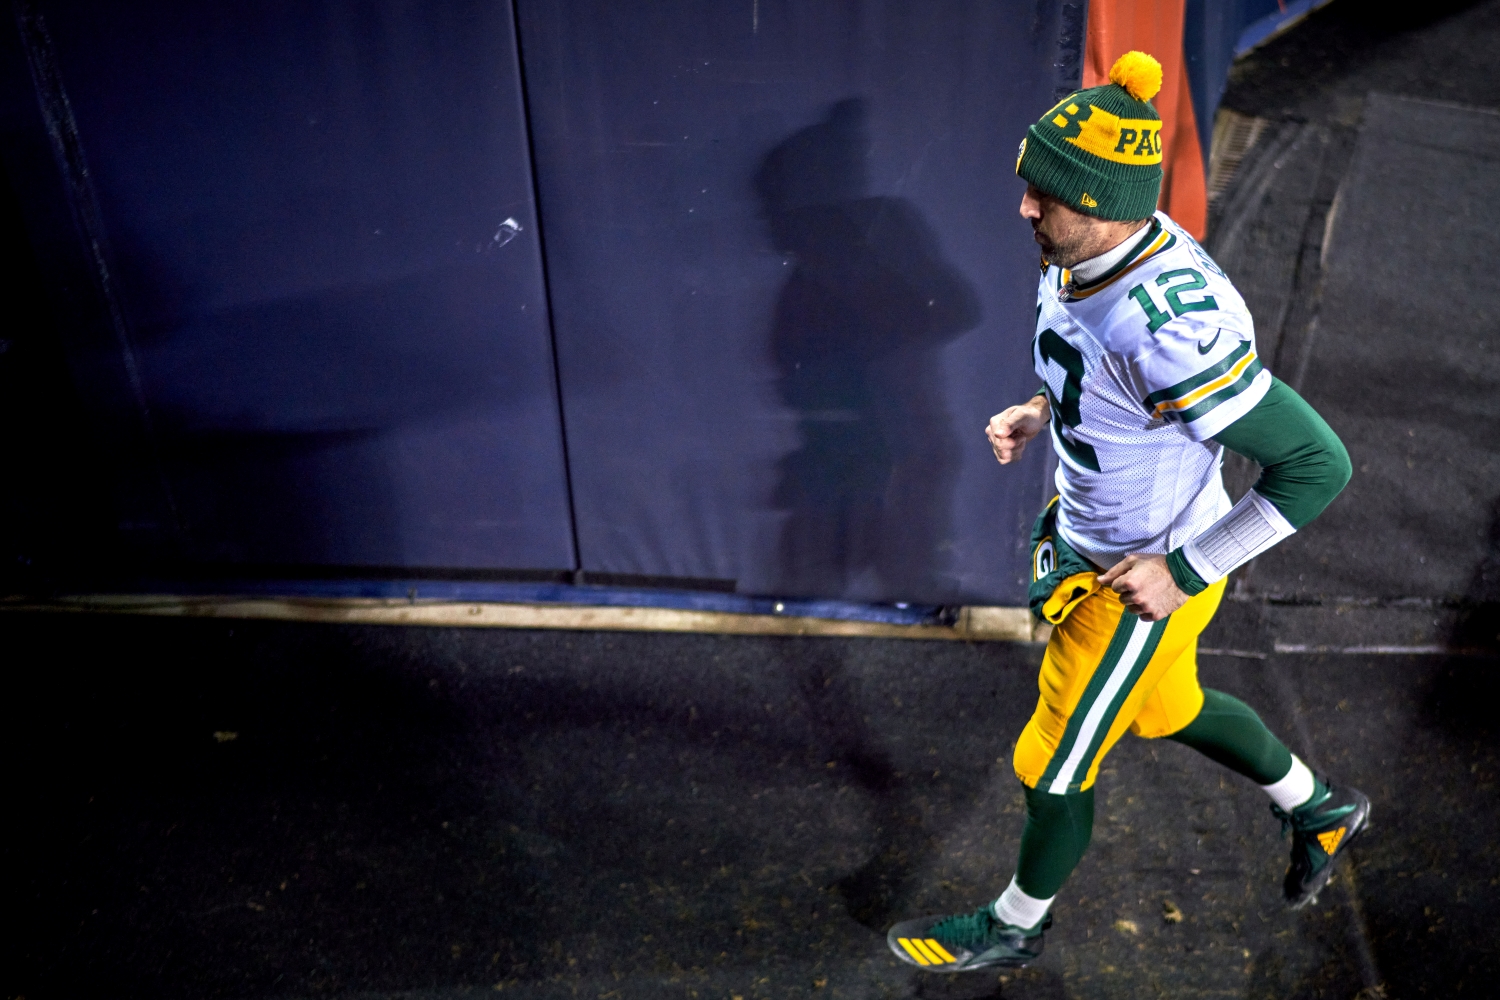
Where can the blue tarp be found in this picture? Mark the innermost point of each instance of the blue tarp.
(316, 320)
(773, 288)
(790, 286)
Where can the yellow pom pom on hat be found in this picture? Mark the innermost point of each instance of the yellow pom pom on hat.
(1099, 150)
(1138, 73)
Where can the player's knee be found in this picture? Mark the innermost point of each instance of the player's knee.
(1029, 758)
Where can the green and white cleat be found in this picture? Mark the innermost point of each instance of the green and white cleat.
(1321, 831)
(966, 941)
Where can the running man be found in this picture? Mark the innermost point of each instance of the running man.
(1149, 369)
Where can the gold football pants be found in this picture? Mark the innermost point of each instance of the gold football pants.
(1104, 671)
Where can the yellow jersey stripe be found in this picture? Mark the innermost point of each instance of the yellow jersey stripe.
(1208, 388)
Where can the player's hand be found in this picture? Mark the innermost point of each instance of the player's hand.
(1146, 586)
(1011, 428)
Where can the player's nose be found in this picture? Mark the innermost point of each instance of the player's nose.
(1031, 205)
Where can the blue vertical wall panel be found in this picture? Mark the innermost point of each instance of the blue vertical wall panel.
(1215, 33)
(790, 284)
(317, 231)
(1209, 32)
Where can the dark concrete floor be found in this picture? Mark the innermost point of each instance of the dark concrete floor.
(207, 809)
(1322, 70)
(1362, 230)
(429, 812)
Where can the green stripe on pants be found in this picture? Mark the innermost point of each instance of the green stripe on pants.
(1100, 678)
(1090, 722)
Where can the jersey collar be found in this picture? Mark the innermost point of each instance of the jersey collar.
(1155, 240)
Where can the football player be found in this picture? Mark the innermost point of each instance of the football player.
(1149, 368)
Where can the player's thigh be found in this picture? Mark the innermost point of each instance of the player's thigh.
(1078, 646)
(1170, 696)
(1172, 671)
(1175, 701)
(1097, 687)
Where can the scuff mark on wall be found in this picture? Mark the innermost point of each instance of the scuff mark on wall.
(504, 234)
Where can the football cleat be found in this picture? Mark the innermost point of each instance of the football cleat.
(1321, 829)
(966, 941)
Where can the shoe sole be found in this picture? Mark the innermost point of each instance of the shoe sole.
(1311, 896)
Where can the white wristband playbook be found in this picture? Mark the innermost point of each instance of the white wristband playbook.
(1251, 526)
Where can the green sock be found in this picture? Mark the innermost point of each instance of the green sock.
(1057, 833)
(1229, 732)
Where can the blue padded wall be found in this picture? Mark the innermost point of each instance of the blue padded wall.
(298, 272)
(315, 328)
(790, 284)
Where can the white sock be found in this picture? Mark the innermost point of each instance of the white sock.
(1016, 908)
(1295, 789)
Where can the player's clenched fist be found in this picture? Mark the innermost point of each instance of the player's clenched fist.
(1011, 428)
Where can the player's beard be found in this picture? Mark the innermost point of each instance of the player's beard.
(1061, 251)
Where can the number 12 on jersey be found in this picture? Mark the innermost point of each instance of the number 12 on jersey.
(1155, 318)
(1065, 415)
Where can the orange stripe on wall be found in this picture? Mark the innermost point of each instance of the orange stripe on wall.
(1155, 26)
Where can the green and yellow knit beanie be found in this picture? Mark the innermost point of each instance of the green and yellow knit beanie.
(1099, 150)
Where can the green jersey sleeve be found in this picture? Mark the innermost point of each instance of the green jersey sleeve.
(1303, 463)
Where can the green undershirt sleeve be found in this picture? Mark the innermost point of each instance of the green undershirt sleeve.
(1303, 463)
(1187, 579)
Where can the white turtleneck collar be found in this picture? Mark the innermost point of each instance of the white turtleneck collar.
(1091, 270)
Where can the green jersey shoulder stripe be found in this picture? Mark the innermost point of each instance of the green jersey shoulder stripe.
(1187, 385)
(1225, 394)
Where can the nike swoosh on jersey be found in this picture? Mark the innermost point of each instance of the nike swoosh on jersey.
(1205, 348)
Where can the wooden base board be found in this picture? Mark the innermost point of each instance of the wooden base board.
(975, 624)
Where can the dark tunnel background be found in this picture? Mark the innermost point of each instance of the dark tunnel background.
(229, 808)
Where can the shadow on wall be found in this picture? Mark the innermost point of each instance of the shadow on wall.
(857, 338)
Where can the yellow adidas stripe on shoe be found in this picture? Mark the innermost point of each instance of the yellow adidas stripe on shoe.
(965, 941)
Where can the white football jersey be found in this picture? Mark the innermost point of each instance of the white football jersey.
(1142, 367)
